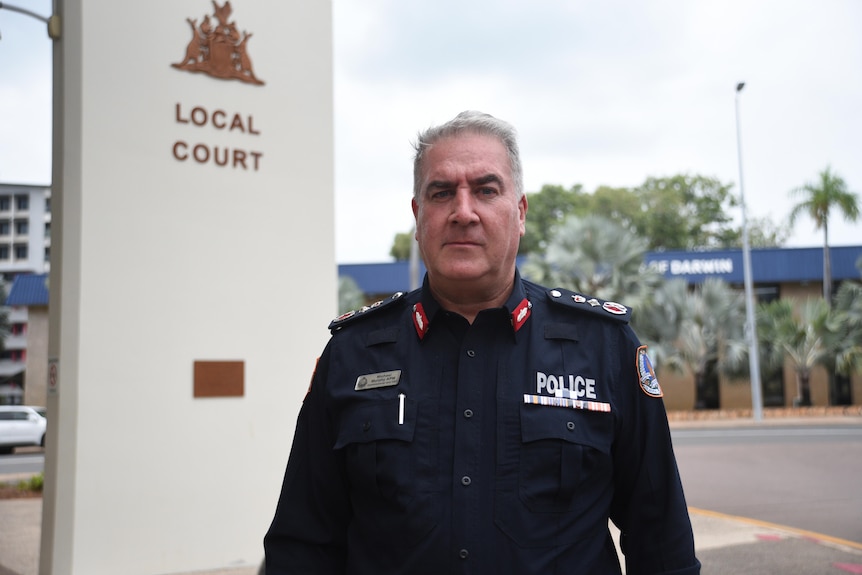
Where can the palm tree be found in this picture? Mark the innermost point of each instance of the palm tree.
(350, 295)
(659, 321)
(711, 335)
(847, 324)
(596, 256)
(819, 199)
(806, 339)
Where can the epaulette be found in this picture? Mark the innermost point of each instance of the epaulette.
(357, 314)
(585, 304)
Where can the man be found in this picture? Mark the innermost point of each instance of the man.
(481, 424)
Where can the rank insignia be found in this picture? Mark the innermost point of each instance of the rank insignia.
(521, 313)
(646, 374)
(357, 314)
(590, 305)
(420, 320)
(614, 307)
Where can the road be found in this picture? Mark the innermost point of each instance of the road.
(802, 477)
(806, 477)
(24, 461)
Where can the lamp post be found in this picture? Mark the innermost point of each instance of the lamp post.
(52, 21)
(50, 524)
(750, 325)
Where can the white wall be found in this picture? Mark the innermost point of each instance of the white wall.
(159, 262)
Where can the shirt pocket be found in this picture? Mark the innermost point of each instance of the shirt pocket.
(381, 460)
(564, 476)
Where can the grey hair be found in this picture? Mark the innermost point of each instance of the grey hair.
(474, 123)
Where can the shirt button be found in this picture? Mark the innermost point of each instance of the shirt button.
(468, 413)
(366, 426)
(463, 553)
(471, 353)
(570, 425)
(466, 480)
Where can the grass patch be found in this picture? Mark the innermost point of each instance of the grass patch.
(35, 483)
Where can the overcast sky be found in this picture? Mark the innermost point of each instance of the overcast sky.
(602, 93)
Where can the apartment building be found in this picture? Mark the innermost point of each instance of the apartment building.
(25, 244)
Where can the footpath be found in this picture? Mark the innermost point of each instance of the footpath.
(726, 545)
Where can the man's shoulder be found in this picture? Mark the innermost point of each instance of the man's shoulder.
(377, 309)
(566, 301)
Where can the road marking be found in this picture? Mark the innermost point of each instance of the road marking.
(819, 537)
(729, 433)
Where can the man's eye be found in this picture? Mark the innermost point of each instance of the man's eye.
(441, 195)
(487, 191)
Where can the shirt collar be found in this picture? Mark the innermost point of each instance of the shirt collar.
(517, 306)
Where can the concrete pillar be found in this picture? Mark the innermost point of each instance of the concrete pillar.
(192, 275)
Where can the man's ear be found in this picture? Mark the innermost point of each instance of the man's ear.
(522, 211)
(415, 207)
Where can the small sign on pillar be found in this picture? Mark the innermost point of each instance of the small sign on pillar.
(219, 378)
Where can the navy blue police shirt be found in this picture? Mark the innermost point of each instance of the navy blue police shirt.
(428, 445)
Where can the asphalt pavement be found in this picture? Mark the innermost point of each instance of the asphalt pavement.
(725, 544)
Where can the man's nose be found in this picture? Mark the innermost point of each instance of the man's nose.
(464, 207)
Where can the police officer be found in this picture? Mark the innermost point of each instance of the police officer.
(483, 423)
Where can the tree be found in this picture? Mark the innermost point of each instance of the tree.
(658, 321)
(547, 208)
(685, 212)
(621, 205)
(350, 295)
(804, 339)
(847, 323)
(819, 199)
(710, 335)
(594, 256)
(401, 246)
(681, 212)
(700, 330)
(764, 233)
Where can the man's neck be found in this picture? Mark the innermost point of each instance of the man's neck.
(467, 300)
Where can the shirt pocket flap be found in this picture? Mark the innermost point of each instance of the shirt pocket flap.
(377, 420)
(594, 429)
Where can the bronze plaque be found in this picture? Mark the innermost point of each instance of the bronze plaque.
(219, 378)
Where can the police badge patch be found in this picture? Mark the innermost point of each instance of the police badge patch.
(646, 374)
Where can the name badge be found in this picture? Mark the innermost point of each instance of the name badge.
(375, 380)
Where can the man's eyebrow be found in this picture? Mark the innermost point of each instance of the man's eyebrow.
(480, 181)
(487, 179)
(439, 184)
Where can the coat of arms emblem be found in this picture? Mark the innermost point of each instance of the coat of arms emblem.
(219, 49)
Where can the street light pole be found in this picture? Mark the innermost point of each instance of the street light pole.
(750, 325)
(52, 21)
(49, 541)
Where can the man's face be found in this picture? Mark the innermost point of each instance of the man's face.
(469, 218)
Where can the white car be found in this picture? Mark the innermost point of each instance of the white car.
(21, 425)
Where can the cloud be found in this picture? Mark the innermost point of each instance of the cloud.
(602, 93)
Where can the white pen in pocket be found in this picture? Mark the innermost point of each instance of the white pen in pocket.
(401, 397)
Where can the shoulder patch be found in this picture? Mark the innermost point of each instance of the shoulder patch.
(357, 314)
(586, 304)
(646, 374)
